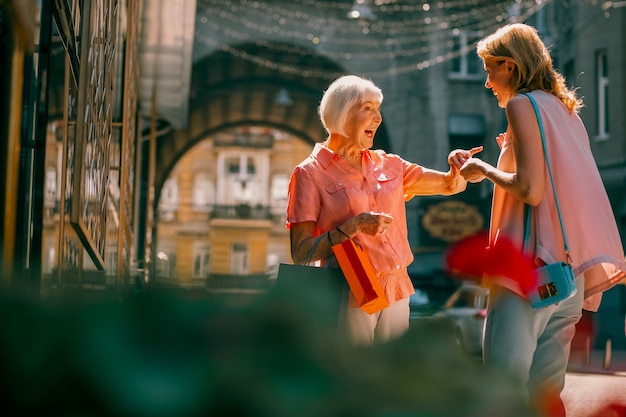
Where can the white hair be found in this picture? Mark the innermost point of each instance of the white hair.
(341, 96)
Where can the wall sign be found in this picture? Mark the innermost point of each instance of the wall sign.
(452, 220)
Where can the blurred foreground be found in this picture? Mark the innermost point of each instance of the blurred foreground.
(272, 355)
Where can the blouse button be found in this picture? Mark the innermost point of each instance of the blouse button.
(340, 184)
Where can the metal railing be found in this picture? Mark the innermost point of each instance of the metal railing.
(241, 211)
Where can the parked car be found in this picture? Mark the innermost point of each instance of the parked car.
(466, 309)
(421, 306)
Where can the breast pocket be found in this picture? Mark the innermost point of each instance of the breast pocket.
(345, 195)
(391, 179)
(338, 187)
(388, 187)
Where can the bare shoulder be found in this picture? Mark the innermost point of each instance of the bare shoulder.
(518, 102)
(519, 108)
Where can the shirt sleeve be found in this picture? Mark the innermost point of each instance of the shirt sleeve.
(412, 172)
(303, 200)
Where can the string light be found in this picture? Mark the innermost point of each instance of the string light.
(402, 42)
(278, 17)
(402, 31)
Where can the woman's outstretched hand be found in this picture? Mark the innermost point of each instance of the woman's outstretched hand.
(474, 170)
(458, 157)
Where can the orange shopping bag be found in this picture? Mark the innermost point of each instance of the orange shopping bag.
(360, 275)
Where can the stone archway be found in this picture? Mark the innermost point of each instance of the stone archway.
(228, 91)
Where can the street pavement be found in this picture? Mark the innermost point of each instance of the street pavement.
(595, 385)
(594, 395)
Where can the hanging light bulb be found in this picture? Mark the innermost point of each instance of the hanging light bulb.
(282, 98)
(361, 10)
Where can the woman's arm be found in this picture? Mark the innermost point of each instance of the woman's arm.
(302, 239)
(433, 182)
(527, 182)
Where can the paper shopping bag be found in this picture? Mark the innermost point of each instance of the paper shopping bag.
(360, 275)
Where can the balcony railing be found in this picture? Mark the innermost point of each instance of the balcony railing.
(241, 211)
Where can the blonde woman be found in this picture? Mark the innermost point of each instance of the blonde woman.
(534, 344)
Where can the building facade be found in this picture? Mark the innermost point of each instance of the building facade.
(221, 215)
(191, 122)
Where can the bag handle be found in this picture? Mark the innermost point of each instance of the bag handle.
(312, 251)
(527, 208)
(348, 236)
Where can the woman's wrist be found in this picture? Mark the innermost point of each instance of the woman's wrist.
(343, 234)
(452, 181)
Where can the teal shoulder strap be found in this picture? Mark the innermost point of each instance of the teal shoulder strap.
(527, 210)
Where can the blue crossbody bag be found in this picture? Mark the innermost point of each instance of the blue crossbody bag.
(555, 282)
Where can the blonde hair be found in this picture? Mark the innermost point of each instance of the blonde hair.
(341, 96)
(521, 44)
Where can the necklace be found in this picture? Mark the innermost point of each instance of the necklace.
(345, 157)
(350, 158)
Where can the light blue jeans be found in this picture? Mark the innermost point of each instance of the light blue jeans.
(531, 345)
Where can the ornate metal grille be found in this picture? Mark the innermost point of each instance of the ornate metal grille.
(128, 135)
(93, 127)
(100, 119)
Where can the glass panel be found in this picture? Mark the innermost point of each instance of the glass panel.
(455, 63)
(232, 165)
(251, 168)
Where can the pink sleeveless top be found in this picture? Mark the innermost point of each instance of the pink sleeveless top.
(592, 233)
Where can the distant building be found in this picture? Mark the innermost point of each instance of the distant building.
(221, 215)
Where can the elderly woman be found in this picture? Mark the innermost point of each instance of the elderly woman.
(345, 190)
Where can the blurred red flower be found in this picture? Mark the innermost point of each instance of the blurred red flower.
(472, 258)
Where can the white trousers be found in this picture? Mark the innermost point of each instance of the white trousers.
(389, 323)
(531, 345)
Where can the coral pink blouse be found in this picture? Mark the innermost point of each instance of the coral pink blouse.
(592, 233)
(326, 190)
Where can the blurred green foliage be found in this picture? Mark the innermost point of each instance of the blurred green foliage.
(271, 355)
